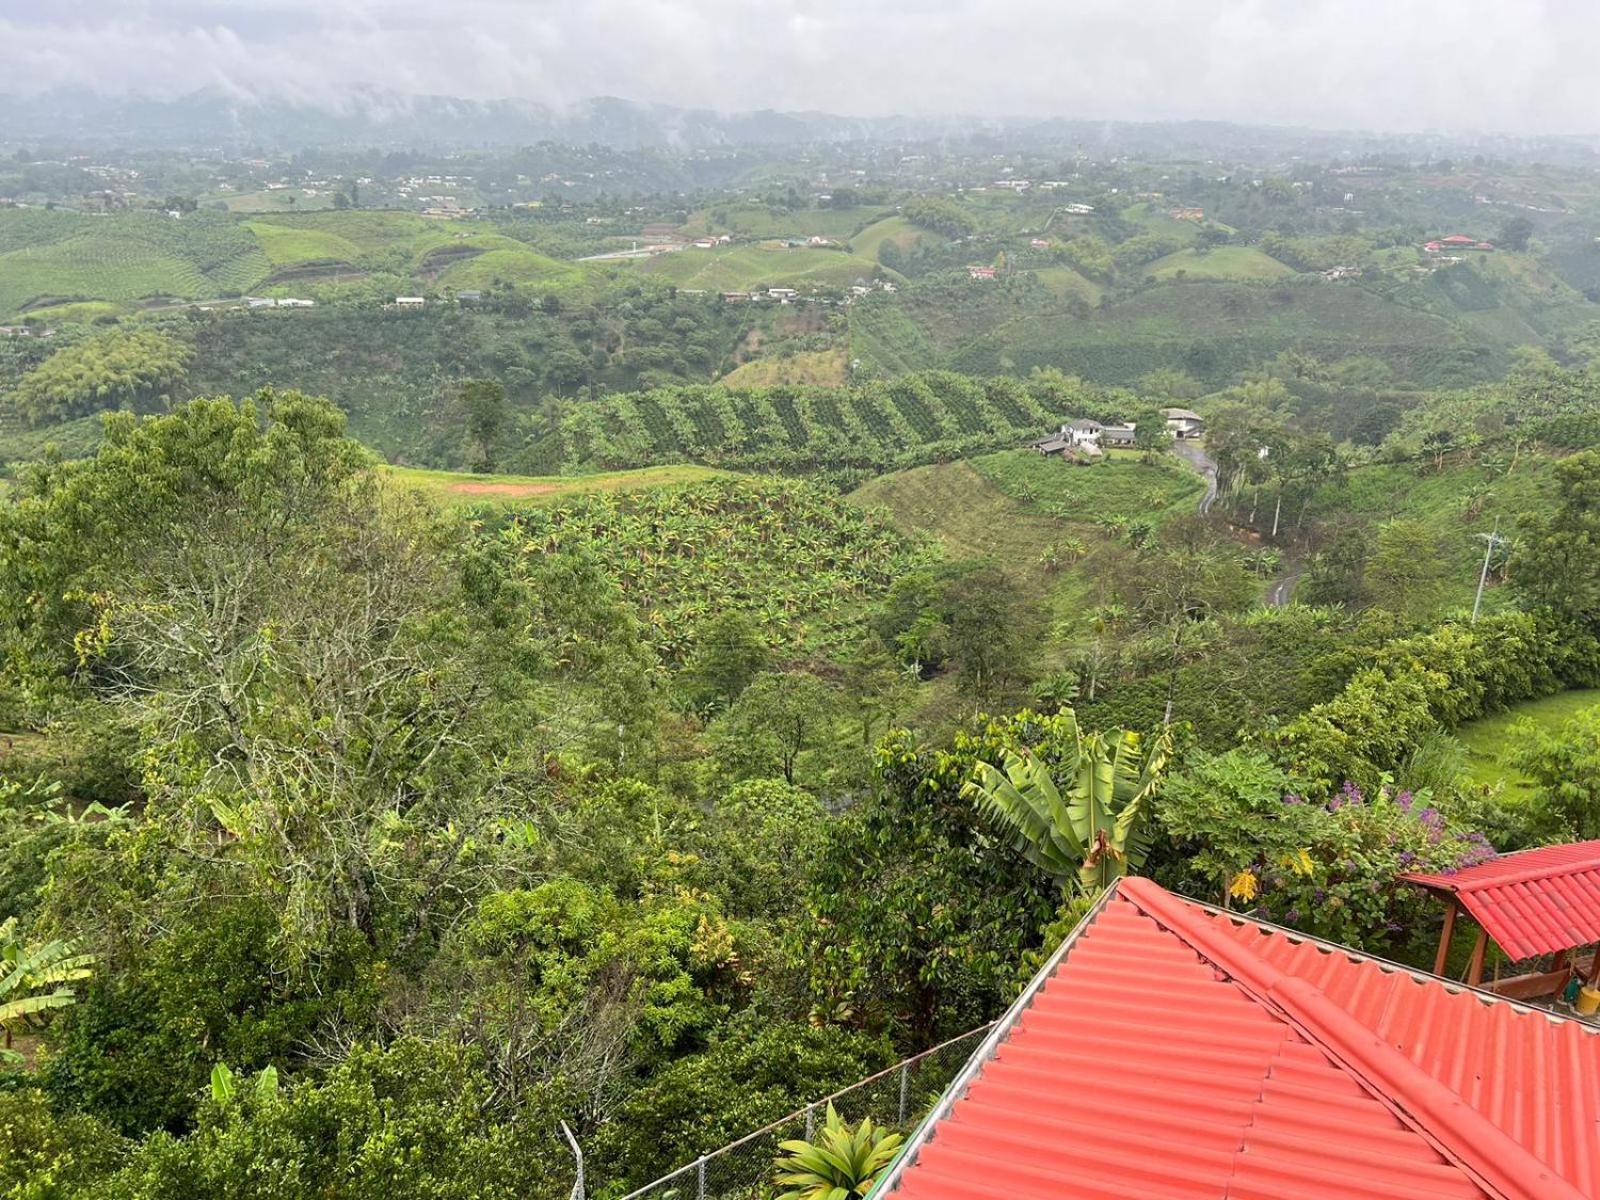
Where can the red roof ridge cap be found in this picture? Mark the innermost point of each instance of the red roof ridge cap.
(1455, 882)
(1491, 1156)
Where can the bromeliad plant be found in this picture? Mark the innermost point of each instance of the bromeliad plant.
(1093, 829)
(841, 1164)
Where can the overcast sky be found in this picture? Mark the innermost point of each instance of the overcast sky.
(1520, 66)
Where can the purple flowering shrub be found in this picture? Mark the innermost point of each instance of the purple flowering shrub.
(1359, 845)
(1245, 839)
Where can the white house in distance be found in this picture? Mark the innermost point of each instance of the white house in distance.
(1087, 438)
(1184, 423)
(409, 301)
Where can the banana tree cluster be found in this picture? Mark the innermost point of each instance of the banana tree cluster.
(1092, 827)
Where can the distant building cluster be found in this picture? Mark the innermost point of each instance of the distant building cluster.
(1085, 440)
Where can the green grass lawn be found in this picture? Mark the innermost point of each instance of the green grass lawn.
(453, 489)
(1488, 742)
(1242, 263)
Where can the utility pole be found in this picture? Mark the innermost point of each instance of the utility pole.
(1490, 541)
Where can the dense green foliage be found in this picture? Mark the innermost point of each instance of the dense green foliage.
(119, 369)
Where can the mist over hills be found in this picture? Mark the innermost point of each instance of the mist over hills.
(384, 119)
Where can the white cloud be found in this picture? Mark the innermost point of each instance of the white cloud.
(1405, 64)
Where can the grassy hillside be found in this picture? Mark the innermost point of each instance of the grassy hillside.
(744, 268)
(1065, 283)
(898, 230)
(482, 262)
(287, 246)
(1039, 519)
(806, 368)
(1244, 263)
(1490, 745)
(759, 221)
(453, 489)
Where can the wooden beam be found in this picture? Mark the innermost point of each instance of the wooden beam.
(1444, 937)
(1530, 987)
(1594, 968)
(1475, 967)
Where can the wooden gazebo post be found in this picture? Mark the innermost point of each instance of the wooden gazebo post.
(1444, 937)
(1475, 967)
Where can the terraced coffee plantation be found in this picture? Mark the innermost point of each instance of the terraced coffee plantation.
(874, 426)
(794, 555)
(50, 256)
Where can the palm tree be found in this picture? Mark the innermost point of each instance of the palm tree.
(32, 978)
(1097, 830)
(842, 1164)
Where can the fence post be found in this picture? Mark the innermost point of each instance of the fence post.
(810, 1121)
(905, 1089)
(577, 1154)
(700, 1177)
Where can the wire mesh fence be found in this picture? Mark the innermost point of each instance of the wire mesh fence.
(743, 1170)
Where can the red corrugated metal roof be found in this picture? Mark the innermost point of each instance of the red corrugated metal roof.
(1532, 902)
(1174, 1052)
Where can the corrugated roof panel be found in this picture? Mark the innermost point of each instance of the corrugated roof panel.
(1145, 1069)
(1533, 902)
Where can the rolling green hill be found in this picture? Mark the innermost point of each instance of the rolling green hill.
(745, 268)
(53, 257)
(898, 230)
(1244, 263)
(760, 221)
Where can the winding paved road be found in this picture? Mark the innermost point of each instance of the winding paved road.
(1282, 590)
(1195, 455)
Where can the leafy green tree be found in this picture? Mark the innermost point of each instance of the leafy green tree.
(1557, 560)
(1150, 432)
(1565, 765)
(918, 922)
(51, 1152)
(1515, 232)
(1094, 830)
(841, 1164)
(776, 721)
(757, 1071)
(1183, 577)
(122, 368)
(413, 1119)
(483, 404)
(729, 652)
(1406, 570)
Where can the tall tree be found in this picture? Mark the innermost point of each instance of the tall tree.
(483, 403)
(1557, 561)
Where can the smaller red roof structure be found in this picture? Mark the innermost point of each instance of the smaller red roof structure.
(1458, 239)
(1532, 902)
(1174, 1051)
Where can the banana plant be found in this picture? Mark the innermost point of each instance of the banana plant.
(841, 1164)
(1094, 829)
(34, 979)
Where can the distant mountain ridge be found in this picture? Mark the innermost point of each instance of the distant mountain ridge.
(390, 120)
